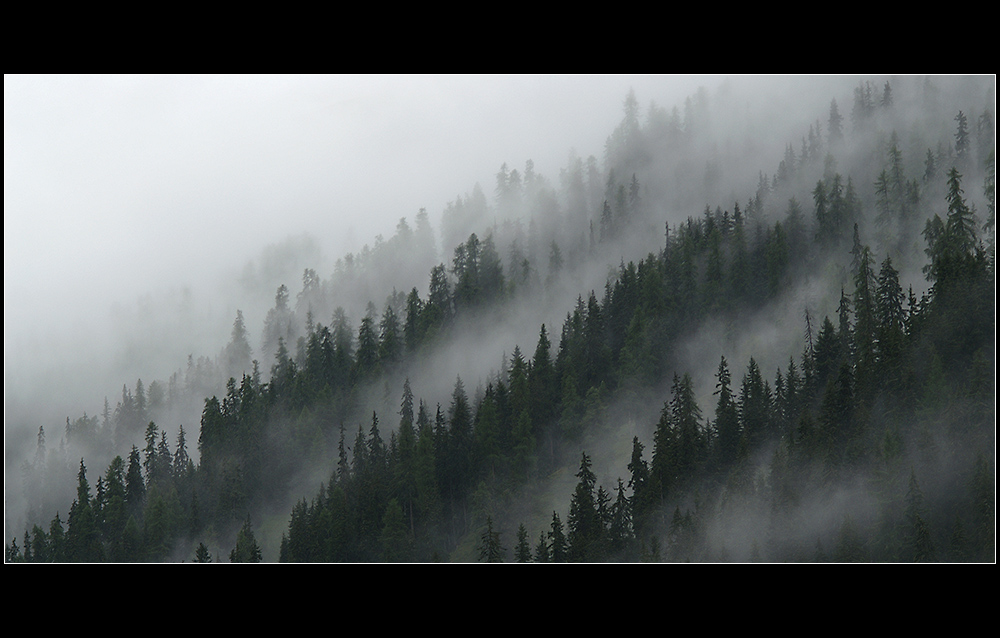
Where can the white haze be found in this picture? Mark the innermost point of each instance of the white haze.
(134, 205)
(142, 212)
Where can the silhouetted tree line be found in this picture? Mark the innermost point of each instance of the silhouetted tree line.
(860, 396)
(886, 382)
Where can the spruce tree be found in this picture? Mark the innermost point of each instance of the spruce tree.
(643, 497)
(246, 549)
(727, 424)
(542, 554)
(556, 540)
(490, 549)
(522, 551)
(202, 555)
(584, 526)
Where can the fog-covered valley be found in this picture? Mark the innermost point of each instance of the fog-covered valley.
(204, 219)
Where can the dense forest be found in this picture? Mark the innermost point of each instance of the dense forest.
(704, 359)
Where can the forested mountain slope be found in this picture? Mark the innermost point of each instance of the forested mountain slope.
(671, 353)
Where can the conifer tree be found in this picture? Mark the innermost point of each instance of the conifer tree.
(238, 353)
(686, 418)
(522, 551)
(727, 424)
(960, 224)
(390, 347)
(541, 380)
(890, 322)
(83, 542)
(412, 323)
(459, 438)
(202, 555)
(584, 526)
(620, 529)
(404, 470)
(834, 125)
(37, 549)
(962, 138)
(428, 498)
(246, 549)
(542, 554)
(662, 469)
(12, 553)
(367, 360)
(556, 540)
(754, 405)
(490, 549)
(865, 326)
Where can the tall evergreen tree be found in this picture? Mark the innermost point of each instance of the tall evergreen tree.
(83, 542)
(727, 423)
(584, 526)
(522, 551)
(246, 550)
(542, 554)
(557, 540)
(644, 492)
(490, 549)
(962, 142)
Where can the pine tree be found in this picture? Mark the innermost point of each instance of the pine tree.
(390, 348)
(644, 495)
(865, 326)
(83, 543)
(542, 554)
(460, 441)
(367, 361)
(238, 353)
(961, 224)
(404, 474)
(541, 382)
(12, 553)
(584, 526)
(428, 497)
(39, 548)
(834, 125)
(556, 540)
(727, 423)
(962, 138)
(490, 549)
(412, 324)
(890, 322)
(246, 549)
(620, 528)
(522, 551)
(202, 555)
(662, 469)
(754, 406)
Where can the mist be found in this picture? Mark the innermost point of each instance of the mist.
(129, 191)
(142, 213)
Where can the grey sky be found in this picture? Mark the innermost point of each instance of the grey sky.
(119, 187)
(127, 178)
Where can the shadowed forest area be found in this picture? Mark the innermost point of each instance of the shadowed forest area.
(743, 334)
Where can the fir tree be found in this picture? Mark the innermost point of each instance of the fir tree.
(246, 549)
(556, 540)
(202, 555)
(584, 525)
(522, 551)
(490, 549)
